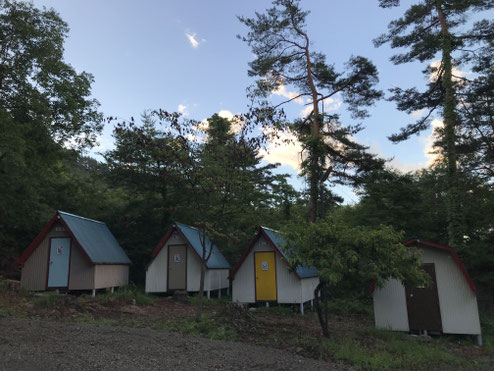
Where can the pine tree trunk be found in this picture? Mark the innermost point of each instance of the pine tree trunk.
(454, 215)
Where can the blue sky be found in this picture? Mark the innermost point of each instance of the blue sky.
(185, 55)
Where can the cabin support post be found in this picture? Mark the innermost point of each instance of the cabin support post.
(479, 340)
(312, 304)
(209, 294)
(93, 294)
(228, 291)
(267, 304)
(219, 293)
(112, 290)
(302, 308)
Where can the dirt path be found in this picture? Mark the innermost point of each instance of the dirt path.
(55, 345)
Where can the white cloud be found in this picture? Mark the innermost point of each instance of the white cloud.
(225, 114)
(456, 72)
(182, 108)
(418, 113)
(330, 104)
(192, 39)
(279, 151)
(288, 94)
(428, 143)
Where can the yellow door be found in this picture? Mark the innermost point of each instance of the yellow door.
(265, 275)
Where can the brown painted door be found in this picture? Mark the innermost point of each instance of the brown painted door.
(177, 267)
(423, 304)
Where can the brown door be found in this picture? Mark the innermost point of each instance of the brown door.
(423, 305)
(177, 267)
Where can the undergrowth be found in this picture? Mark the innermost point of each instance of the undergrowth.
(380, 350)
(129, 294)
(209, 327)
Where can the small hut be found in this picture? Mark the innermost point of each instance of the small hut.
(74, 253)
(448, 305)
(176, 263)
(263, 273)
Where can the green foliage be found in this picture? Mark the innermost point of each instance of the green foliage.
(284, 57)
(342, 253)
(437, 29)
(45, 107)
(209, 327)
(130, 294)
(382, 350)
(47, 300)
(351, 305)
(487, 325)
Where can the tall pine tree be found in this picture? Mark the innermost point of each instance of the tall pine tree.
(432, 29)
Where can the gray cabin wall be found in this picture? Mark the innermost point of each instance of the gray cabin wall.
(216, 279)
(390, 306)
(457, 301)
(81, 270)
(194, 271)
(156, 273)
(35, 269)
(289, 287)
(110, 275)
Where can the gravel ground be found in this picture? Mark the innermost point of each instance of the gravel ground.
(55, 345)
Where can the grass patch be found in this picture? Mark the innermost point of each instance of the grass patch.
(278, 310)
(129, 294)
(87, 318)
(208, 327)
(3, 284)
(381, 350)
(47, 300)
(487, 325)
(209, 302)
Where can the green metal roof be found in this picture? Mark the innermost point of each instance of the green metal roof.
(193, 236)
(303, 271)
(95, 239)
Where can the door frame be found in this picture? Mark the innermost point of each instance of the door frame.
(48, 264)
(168, 264)
(436, 294)
(275, 276)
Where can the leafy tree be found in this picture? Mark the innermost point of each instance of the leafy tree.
(284, 57)
(221, 176)
(430, 28)
(342, 253)
(45, 107)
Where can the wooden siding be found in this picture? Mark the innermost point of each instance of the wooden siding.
(291, 290)
(81, 270)
(110, 275)
(34, 271)
(457, 301)
(194, 271)
(156, 273)
(216, 279)
(308, 287)
(390, 308)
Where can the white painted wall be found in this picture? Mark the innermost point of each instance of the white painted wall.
(216, 279)
(308, 287)
(390, 308)
(291, 290)
(156, 274)
(457, 301)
